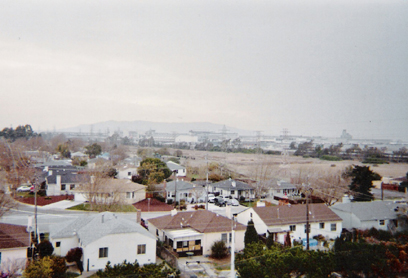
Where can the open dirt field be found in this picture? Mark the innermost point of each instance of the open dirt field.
(281, 167)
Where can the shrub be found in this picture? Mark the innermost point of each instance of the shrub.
(45, 248)
(47, 267)
(219, 250)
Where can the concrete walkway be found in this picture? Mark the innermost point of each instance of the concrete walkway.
(86, 274)
(64, 204)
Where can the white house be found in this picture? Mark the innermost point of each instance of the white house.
(283, 190)
(14, 241)
(181, 170)
(281, 220)
(104, 237)
(126, 172)
(63, 181)
(183, 190)
(233, 188)
(382, 215)
(196, 231)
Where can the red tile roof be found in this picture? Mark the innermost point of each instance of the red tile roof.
(202, 221)
(13, 236)
(155, 205)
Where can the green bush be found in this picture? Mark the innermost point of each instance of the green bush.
(330, 157)
(219, 250)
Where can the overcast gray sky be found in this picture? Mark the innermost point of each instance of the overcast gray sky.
(313, 67)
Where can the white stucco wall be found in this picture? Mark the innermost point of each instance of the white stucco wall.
(120, 247)
(210, 238)
(13, 255)
(66, 244)
(245, 216)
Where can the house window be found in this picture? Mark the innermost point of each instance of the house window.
(62, 186)
(333, 227)
(230, 237)
(129, 174)
(292, 228)
(382, 222)
(103, 252)
(58, 244)
(179, 244)
(0, 258)
(198, 242)
(141, 249)
(224, 237)
(321, 225)
(250, 215)
(185, 243)
(72, 186)
(130, 195)
(157, 232)
(232, 192)
(307, 230)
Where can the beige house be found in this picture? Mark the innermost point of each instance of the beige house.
(108, 190)
(196, 231)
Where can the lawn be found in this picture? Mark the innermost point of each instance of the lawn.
(112, 208)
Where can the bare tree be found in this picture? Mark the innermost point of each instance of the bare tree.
(328, 185)
(15, 164)
(6, 202)
(263, 174)
(101, 191)
(13, 267)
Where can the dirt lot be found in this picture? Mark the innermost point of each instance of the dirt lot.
(281, 167)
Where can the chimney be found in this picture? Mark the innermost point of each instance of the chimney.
(50, 173)
(173, 212)
(138, 216)
(234, 183)
(346, 199)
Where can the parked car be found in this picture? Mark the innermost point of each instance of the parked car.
(219, 201)
(233, 202)
(24, 188)
(211, 198)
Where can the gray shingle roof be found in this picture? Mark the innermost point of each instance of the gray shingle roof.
(181, 185)
(370, 210)
(92, 227)
(228, 184)
(174, 166)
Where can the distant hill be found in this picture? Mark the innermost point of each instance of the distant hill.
(159, 127)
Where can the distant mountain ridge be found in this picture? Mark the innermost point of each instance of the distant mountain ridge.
(159, 127)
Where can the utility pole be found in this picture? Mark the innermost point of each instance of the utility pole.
(206, 184)
(232, 247)
(307, 218)
(175, 188)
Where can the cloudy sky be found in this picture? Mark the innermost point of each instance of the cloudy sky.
(313, 67)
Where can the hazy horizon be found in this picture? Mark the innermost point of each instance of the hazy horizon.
(312, 67)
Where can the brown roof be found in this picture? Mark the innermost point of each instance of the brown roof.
(13, 236)
(293, 214)
(203, 221)
(155, 205)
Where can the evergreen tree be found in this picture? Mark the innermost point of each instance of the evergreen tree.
(251, 234)
(362, 182)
